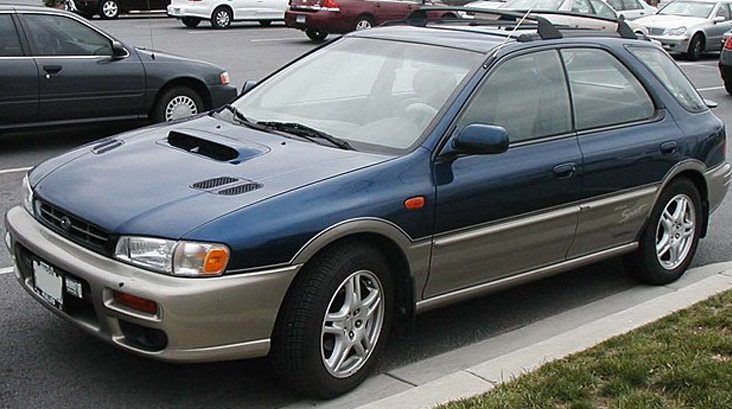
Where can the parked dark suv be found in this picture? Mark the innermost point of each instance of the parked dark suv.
(57, 69)
(393, 171)
(109, 9)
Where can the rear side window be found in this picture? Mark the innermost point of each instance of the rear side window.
(527, 95)
(671, 76)
(9, 42)
(604, 92)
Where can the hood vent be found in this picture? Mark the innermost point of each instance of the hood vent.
(202, 147)
(226, 186)
(106, 146)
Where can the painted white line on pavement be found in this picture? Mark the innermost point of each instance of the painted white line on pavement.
(710, 88)
(15, 170)
(264, 40)
(6, 270)
(700, 64)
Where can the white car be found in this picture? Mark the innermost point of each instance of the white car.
(596, 8)
(222, 13)
(632, 9)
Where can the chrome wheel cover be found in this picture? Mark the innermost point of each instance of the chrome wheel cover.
(675, 231)
(352, 324)
(363, 25)
(110, 9)
(222, 18)
(180, 106)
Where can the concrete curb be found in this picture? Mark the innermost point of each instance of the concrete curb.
(484, 376)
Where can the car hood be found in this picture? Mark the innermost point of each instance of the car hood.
(154, 56)
(158, 181)
(669, 21)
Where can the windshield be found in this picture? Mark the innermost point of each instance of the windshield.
(688, 8)
(375, 94)
(533, 4)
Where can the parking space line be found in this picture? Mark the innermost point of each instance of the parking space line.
(264, 40)
(711, 67)
(710, 88)
(6, 270)
(15, 170)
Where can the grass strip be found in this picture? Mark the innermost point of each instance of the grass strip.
(680, 361)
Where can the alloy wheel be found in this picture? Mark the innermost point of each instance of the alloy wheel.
(222, 18)
(675, 231)
(110, 9)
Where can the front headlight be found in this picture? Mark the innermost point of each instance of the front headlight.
(27, 195)
(181, 258)
(678, 31)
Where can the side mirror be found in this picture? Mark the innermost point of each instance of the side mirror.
(247, 87)
(719, 19)
(118, 50)
(710, 104)
(481, 139)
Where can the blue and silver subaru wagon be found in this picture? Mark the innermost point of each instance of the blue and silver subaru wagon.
(393, 171)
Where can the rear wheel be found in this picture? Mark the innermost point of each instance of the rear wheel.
(176, 103)
(221, 17)
(191, 22)
(670, 238)
(363, 23)
(108, 9)
(696, 47)
(316, 34)
(335, 321)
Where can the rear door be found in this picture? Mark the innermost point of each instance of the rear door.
(79, 79)
(503, 214)
(18, 76)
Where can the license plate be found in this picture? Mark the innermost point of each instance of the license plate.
(48, 283)
(176, 11)
(300, 19)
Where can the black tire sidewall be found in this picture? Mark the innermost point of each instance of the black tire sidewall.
(652, 272)
(316, 34)
(191, 22)
(215, 24)
(158, 113)
(693, 44)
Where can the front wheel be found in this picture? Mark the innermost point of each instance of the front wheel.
(334, 321)
(108, 9)
(671, 235)
(191, 22)
(696, 47)
(316, 34)
(176, 103)
(221, 18)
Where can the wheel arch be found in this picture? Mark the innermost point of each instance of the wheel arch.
(193, 83)
(694, 171)
(226, 6)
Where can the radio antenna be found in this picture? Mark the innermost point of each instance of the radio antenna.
(515, 27)
(149, 27)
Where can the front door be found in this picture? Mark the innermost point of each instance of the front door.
(78, 77)
(502, 214)
(18, 77)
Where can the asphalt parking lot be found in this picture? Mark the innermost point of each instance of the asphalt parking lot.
(46, 362)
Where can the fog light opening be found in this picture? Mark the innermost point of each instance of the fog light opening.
(148, 339)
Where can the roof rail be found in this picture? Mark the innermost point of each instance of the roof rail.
(546, 29)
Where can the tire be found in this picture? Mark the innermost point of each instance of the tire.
(696, 48)
(108, 9)
(449, 16)
(728, 87)
(668, 222)
(221, 17)
(363, 23)
(176, 103)
(265, 23)
(303, 354)
(316, 34)
(191, 22)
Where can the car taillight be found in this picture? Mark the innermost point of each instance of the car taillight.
(728, 43)
(330, 4)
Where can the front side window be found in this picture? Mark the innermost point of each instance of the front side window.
(616, 4)
(604, 92)
(9, 42)
(688, 8)
(527, 95)
(671, 76)
(632, 5)
(724, 11)
(61, 36)
(375, 94)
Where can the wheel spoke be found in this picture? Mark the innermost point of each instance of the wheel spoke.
(335, 328)
(373, 308)
(359, 349)
(341, 356)
(356, 300)
(667, 219)
(663, 246)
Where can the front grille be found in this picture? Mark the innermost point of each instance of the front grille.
(72, 227)
(656, 31)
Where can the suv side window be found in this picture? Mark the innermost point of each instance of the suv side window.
(671, 76)
(604, 92)
(59, 36)
(527, 95)
(9, 41)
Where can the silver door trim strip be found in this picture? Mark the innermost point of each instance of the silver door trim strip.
(635, 194)
(485, 288)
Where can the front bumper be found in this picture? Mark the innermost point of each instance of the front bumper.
(203, 320)
(676, 44)
(189, 10)
(718, 180)
(221, 94)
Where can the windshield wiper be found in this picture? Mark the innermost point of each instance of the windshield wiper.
(306, 132)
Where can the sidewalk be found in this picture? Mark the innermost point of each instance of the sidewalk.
(477, 368)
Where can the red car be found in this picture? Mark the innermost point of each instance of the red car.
(318, 18)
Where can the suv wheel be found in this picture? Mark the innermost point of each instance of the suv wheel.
(316, 34)
(335, 321)
(108, 9)
(191, 22)
(670, 238)
(221, 18)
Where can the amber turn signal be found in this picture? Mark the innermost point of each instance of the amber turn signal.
(414, 203)
(136, 303)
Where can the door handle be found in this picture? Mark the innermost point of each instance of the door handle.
(668, 147)
(565, 170)
(52, 69)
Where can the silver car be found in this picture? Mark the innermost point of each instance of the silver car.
(688, 27)
(577, 8)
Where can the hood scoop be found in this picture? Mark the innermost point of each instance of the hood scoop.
(202, 146)
(226, 186)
